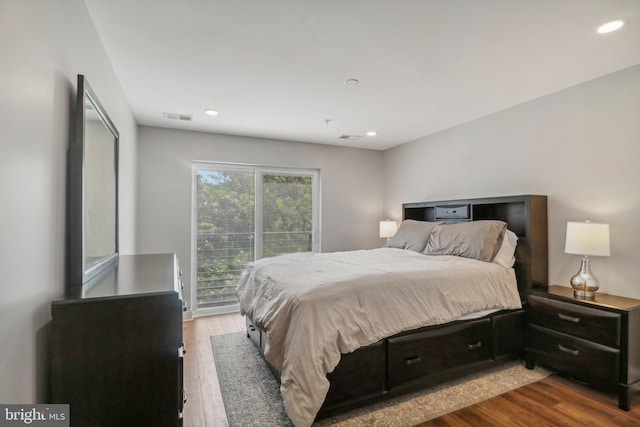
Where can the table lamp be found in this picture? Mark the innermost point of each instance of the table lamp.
(588, 239)
(387, 229)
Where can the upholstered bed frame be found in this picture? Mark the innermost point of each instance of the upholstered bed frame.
(427, 356)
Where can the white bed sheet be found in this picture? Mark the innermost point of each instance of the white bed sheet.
(314, 307)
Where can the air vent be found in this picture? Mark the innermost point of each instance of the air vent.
(350, 137)
(174, 116)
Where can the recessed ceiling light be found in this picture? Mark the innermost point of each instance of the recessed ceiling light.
(610, 26)
(211, 112)
(372, 133)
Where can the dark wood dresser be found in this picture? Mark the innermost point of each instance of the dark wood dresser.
(596, 341)
(116, 346)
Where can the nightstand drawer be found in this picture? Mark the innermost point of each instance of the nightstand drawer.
(600, 326)
(577, 357)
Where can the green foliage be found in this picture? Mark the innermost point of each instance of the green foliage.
(226, 226)
(287, 214)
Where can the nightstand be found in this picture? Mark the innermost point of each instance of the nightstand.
(595, 341)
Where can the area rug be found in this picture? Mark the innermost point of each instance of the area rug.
(251, 394)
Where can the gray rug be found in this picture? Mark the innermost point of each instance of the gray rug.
(251, 394)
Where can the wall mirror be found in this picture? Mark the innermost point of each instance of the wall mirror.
(92, 191)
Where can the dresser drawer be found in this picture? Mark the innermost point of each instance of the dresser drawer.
(595, 325)
(413, 356)
(577, 357)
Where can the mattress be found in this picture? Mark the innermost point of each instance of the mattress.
(315, 307)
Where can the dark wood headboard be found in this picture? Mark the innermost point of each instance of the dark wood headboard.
(525, 215)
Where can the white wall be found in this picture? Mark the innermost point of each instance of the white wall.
(44, 45)
(580, 147)
(351, 187)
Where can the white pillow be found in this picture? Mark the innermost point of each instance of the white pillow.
(506, 254)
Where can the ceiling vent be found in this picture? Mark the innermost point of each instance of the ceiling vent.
(181, 117)
(350, 137)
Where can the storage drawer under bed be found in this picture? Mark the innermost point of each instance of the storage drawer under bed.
(253, 333)
(410, 357)
(358, 375)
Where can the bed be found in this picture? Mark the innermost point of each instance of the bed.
(345, 329)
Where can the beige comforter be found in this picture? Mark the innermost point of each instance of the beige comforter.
(314, 307)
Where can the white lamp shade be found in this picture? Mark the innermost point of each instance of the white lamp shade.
(587, 238)
(388, 228)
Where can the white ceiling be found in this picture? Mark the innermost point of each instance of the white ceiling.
(277, 68)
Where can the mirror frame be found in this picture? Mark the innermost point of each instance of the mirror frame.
(77, 273)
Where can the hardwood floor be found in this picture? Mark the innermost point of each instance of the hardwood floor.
(554, 401)
(204, 407)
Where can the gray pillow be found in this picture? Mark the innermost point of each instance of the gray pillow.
(476, 239)
(412, 235)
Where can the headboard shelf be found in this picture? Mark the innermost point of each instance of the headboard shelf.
(525, 215)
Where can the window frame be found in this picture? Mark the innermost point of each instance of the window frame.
(258, 172)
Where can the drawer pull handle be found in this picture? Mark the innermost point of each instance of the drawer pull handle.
(252, 328)
(569, 318)
(451, 211)
(474, 345)
(568, 350)
(412, 361)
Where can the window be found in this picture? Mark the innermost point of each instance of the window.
(242, 214)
